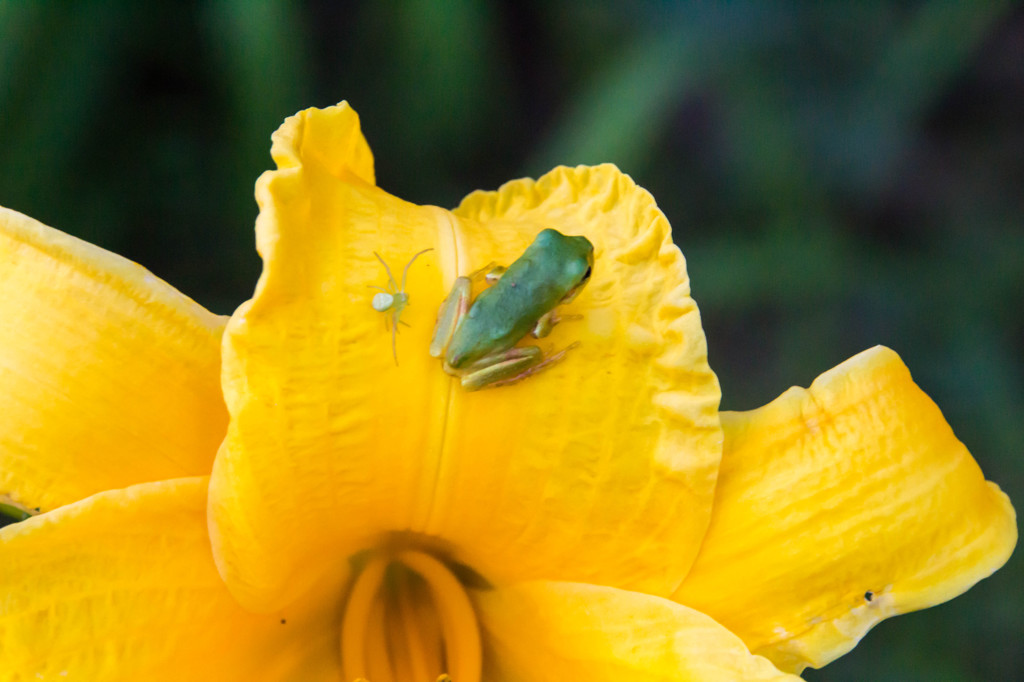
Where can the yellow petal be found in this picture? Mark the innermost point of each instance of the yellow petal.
(549, 631)
(121, 586)
(600, 469)
(839, 506)
(110, 377)
(329, 443)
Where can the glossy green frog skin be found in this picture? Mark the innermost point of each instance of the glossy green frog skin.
(476, 338)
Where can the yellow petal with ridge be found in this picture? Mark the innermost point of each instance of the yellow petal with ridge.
(110, 376)
(599, 469)
(839, 506)
(330, 440)
(121, 586)
(553, 632)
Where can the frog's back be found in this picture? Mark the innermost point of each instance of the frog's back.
(506, 312)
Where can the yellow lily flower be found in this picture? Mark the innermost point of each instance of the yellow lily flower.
(334, 516)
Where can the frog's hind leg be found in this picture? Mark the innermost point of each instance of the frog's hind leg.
(545, 363)
(499, 368)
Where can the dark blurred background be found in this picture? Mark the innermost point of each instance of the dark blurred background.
(838, 176)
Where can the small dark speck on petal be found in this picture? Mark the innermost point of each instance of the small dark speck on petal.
(869, 595)
(283, 621)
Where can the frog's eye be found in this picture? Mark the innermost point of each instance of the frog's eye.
(574, 292)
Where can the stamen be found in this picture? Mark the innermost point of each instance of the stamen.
(356, 622)
(409, 618)
(461, 632)
(379, 660)
(411, 628)
(429, 627)
(398, 648)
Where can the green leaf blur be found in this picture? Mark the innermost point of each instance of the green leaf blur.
(837, 174)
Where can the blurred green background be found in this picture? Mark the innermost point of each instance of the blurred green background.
(838, 176)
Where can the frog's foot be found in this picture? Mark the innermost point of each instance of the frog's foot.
(548, 321)
(546, 363)
(485, 273)
(494, 273)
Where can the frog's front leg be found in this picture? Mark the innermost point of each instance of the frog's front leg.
(451, 312)
(548, 321)
(456, 305)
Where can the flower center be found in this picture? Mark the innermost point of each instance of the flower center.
(408, 619)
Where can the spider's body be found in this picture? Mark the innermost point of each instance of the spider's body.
(393, 299)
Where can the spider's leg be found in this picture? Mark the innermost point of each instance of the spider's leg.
(394, 346)
(406, 271)
(391, 279)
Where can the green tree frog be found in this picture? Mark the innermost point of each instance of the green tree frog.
(476, 338)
